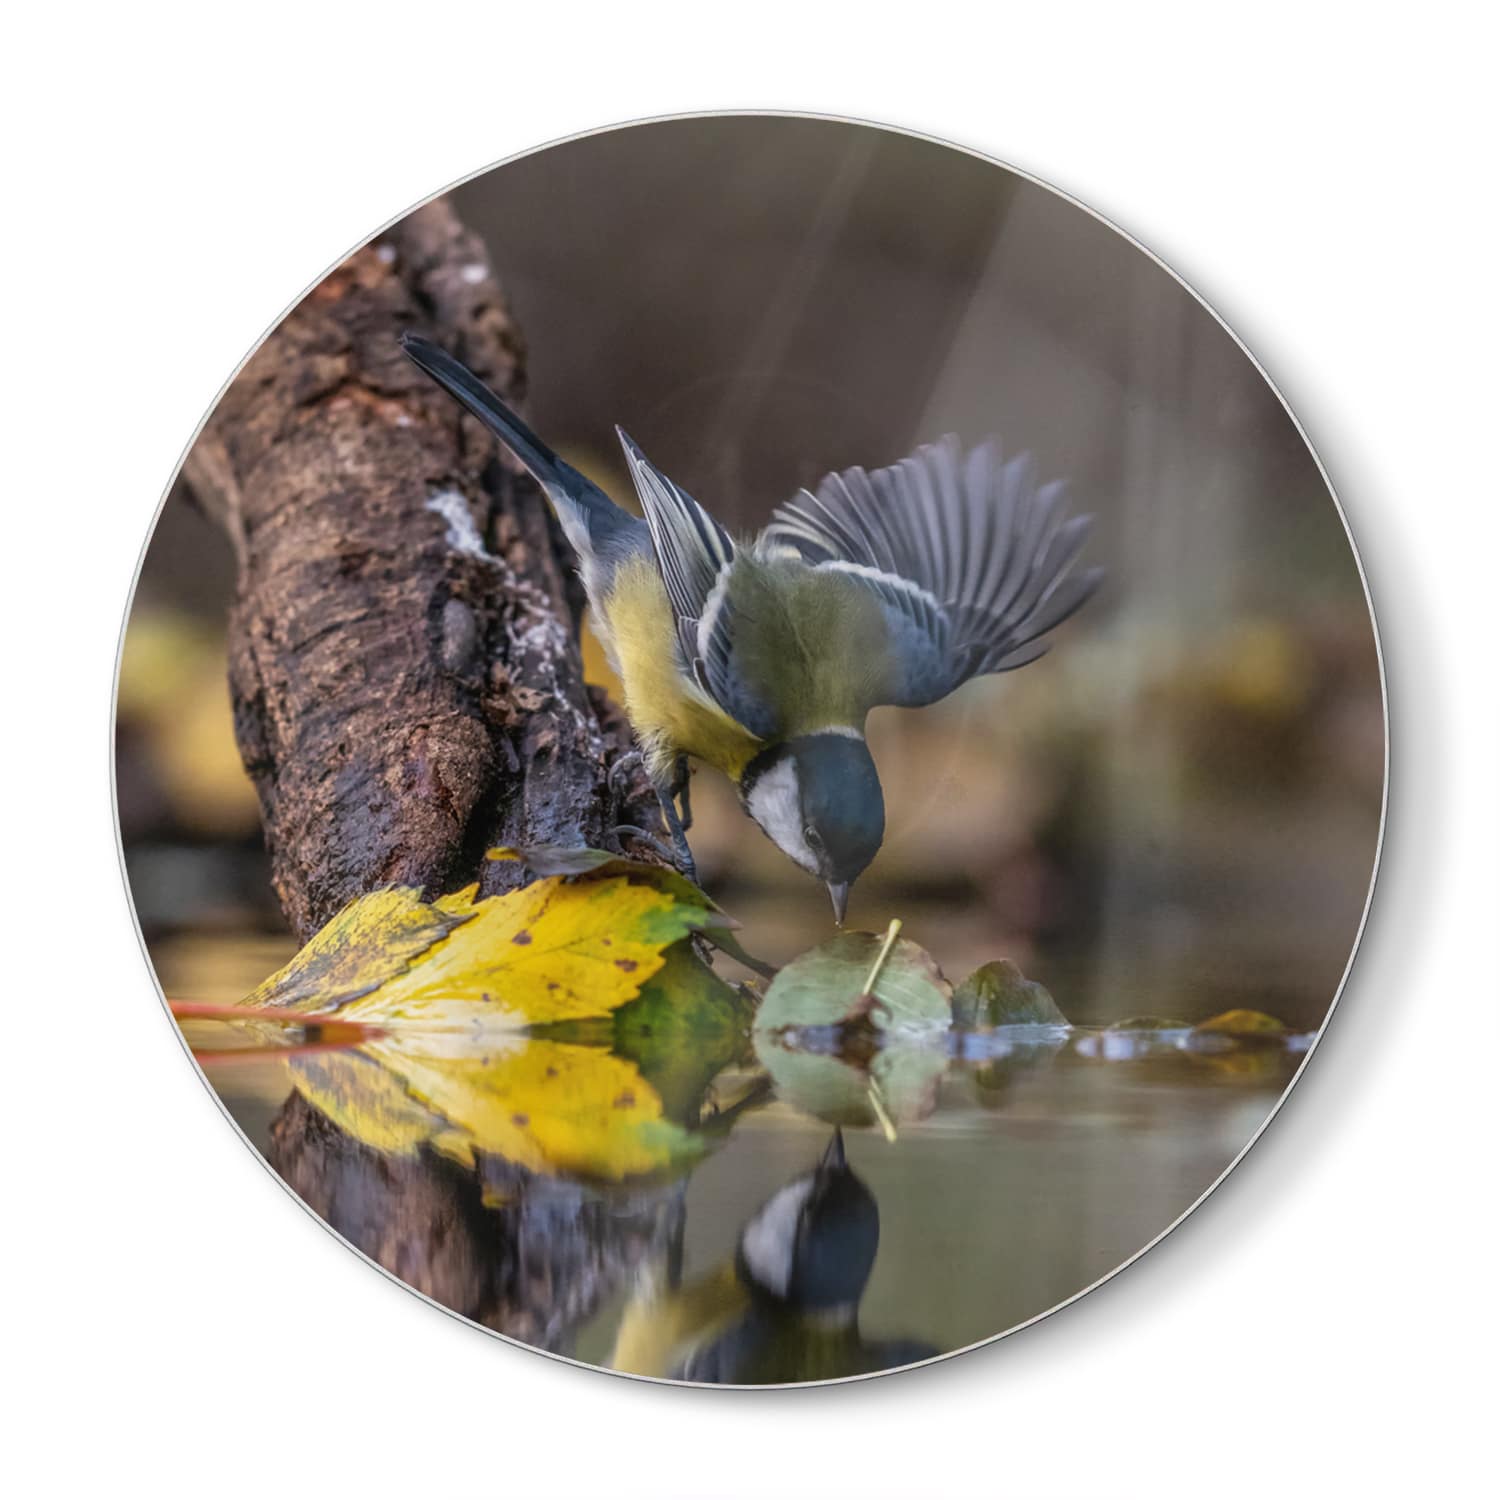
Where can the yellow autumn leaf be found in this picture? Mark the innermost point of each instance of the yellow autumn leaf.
(449, 988)
(551, 1107)
(1242, 1023)
(369, 941)
(556, 950)
(552, 951)
(555, 1108)
(582, 864)
(365, 1099)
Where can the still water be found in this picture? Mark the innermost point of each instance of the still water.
(1021, 1165)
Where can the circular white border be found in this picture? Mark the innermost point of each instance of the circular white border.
(1239, 344)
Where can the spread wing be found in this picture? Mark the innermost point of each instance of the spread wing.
(692, 549)
(694, 556)
(970, 558)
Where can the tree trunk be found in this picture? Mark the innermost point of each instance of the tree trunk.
(408, 691)
(403, 648)
(531, 1257)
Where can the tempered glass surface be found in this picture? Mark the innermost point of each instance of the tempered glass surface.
(1173, 814)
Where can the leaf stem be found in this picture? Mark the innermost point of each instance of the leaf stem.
(221, 1056)
(329, 1024)
(887, 1125)
(891, 934)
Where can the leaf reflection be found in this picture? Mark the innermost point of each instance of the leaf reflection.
(521, 1178)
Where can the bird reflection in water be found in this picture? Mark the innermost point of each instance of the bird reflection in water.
(785, 1308)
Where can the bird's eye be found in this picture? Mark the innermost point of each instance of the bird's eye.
(814, 839)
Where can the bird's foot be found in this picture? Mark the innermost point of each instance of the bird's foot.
(650, 840)
(621, 769)
(680, 859)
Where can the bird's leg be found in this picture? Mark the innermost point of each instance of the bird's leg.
(681, 784)
(684, 855)
(667, 792)
(621, 770)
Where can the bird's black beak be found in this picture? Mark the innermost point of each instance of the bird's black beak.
(839, 891)
(834, 1159)
(830, 1175)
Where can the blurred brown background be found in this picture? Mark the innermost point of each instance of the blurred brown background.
(1174, 811)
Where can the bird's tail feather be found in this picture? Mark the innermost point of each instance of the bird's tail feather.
(476, 397)
(589, 517)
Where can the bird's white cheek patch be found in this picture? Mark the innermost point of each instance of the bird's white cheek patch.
(771, 1237)
(776, 804)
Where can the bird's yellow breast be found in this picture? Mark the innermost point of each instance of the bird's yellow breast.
(658, 1333)
(670, 715)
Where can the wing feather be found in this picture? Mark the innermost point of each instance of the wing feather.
(969, 556)
(693, 552)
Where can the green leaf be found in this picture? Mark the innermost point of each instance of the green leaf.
(999, 994)
(826, 987)
(901, 1080)
(683, 1029)
(996, 1076)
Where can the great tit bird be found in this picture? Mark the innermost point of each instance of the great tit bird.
(786, 1308)
(762, 658)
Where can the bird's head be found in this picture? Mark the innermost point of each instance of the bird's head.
(818, 799)
(812, 1245)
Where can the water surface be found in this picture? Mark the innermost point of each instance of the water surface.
(1038, 1160)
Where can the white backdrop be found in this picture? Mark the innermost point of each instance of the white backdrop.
(177, 176)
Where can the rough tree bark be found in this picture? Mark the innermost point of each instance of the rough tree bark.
(534, 1268)
(408, 690)
(404, 665)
